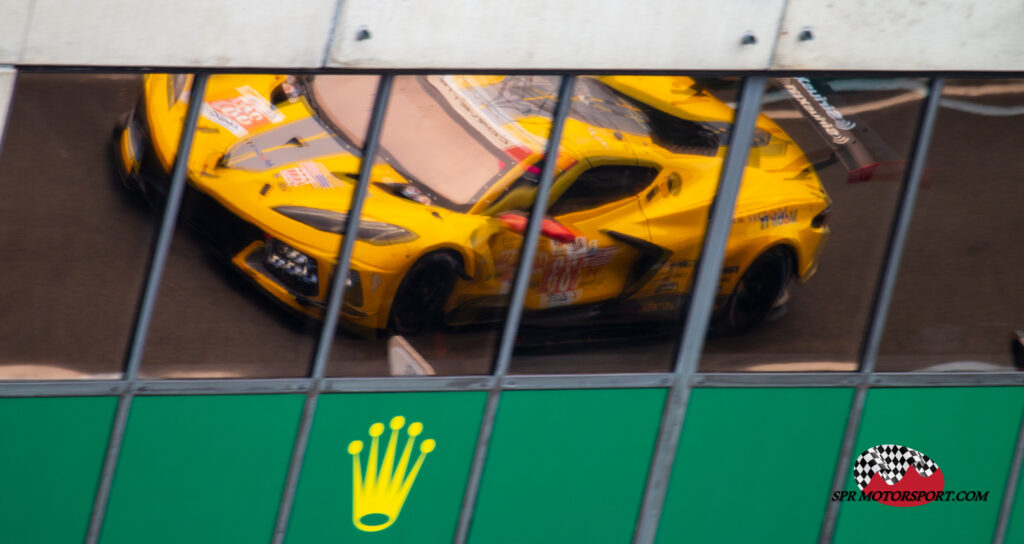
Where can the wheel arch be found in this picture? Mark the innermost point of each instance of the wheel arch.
(749, 254)
(453, 253)
(789, 247)
(725, 319)
(463, 259)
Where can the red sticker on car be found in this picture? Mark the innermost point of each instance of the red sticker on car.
(243, 113)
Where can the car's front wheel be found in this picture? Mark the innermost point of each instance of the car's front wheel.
(419, 302)
(762, 284)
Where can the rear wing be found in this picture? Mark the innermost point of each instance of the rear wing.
(860, 150)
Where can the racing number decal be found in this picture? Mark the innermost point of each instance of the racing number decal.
(241, 110)
(560, 279)
(243, 113)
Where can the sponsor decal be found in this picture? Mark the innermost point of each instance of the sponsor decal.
(829, 119)
(506, 259)
(223, 120)
(379, 491)
(478, 117)
(242, 113)
(504, 266)
(598, 256)
(896, 475)
(559, 284)
(560, 280)
(774, 218)
(259, 152)
(309, 173)
(567, 264)
(667, 287)
(562, 298)
(652, 307)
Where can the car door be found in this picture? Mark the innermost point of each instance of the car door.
(676, 208)
(595, 235)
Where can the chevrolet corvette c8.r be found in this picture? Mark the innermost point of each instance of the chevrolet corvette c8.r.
(275, 161)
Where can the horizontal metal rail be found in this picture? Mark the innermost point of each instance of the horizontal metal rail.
(223, 386)
(255, 70)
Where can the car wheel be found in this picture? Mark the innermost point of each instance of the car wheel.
(754, 296)
(419, 302)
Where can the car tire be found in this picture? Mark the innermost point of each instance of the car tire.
(419, 302)
(755, 294)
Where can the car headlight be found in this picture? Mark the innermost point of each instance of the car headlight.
(353, 289)
(372, 232)
(292, 266)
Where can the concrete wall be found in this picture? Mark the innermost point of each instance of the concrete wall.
(960, 35)
(496, 34)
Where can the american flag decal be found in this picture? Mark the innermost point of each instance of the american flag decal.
(308, 173)
(599, 256)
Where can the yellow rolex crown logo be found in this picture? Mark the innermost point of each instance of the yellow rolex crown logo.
(377, 497)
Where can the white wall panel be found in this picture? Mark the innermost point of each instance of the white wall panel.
(524, 34)
(179, 33)
(583, 34)
(14, 18)
(899, 35)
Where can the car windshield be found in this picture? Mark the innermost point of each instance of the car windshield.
(429, 134)
(599, 106)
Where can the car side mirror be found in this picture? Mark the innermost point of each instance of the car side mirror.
(549, 228)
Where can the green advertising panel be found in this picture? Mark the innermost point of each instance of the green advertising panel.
(51, 456)
(386, 467)
(567, 466)
(202, 469)
(959, 442)
(763, 456)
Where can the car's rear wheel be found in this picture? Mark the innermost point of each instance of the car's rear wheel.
(763, 283)
(419, 302)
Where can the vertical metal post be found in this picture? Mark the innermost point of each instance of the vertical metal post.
(333, 308)
(158, 261)
(1011, 488)
(166, 233)
(901, 225)
(503, 358)
(883, 297)
(8, 78)
(705, 285)
(828, 525)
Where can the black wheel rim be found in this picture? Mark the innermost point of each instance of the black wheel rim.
(758, 290)
(419, 303)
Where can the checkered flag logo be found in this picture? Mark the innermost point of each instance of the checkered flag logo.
(893, 461)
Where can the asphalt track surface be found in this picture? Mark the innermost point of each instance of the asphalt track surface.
(76, 244)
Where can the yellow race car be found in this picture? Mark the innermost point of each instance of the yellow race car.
(275, 161)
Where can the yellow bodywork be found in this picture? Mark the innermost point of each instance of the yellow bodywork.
(663, 222)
